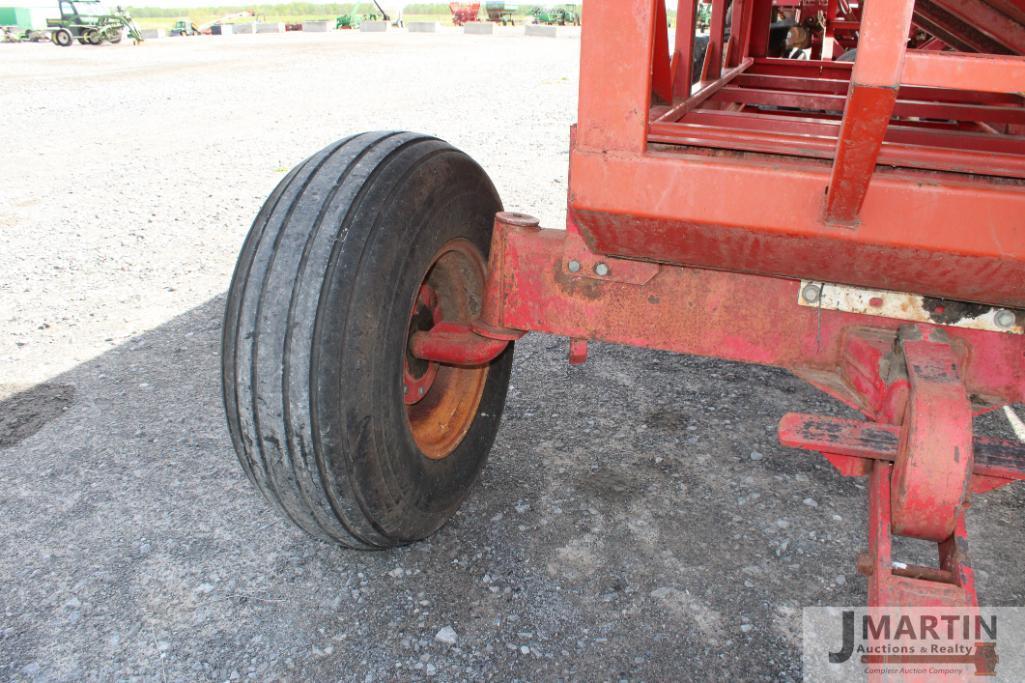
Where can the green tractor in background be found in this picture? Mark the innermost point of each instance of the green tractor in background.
(90, 23)
(353, 18)
(347, 21)
(555, 16)
(184, 27)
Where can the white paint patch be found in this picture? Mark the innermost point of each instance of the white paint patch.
(899, 306)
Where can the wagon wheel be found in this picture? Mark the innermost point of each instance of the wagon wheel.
(63, 37)
(338, 425)
(115, 36)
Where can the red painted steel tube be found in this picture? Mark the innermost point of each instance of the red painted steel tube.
(709, 313)
(706, 90)
(917, 135)
(455, 344)
(615, 84)
(839, 86)
(683, 53)
(965, 71)
(661, 65)
(822, 147)
(800, 67)
(716, 36)
(869, 107)
(958, 111)
(992, 22)
(761, 19)
(936, 21)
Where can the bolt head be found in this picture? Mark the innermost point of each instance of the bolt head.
(601, 269)
(811, 293)
(573, 266)
(1004, 319)
(405, 388)
(420, 391)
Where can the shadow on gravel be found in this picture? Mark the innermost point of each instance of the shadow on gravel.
(636, 520)
(25, 409)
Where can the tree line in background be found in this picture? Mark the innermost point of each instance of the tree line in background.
(303, 9)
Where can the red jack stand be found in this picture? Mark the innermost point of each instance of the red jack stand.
(935, 468)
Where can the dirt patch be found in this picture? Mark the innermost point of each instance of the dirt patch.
(24, 410)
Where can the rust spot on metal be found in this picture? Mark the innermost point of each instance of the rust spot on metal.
(575, 286)
(945, 312)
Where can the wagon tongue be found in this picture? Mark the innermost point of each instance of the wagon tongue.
(922, 464)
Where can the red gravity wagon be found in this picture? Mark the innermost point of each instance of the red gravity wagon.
(855, 215)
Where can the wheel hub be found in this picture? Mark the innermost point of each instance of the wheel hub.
(442, 401)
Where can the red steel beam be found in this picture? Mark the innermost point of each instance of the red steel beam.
(837, 86)
(761, 20)
(716, 36)
(706, 91)
(959, 34)
(733, 316)
(964, 71)
(821, 147)
(616, 46)
(661, 64)
(993, 23)
(740, 31)
(683, 53)
(870, 102)
(801, 67)
(827, 102)
(1012, 8)
(908, 135)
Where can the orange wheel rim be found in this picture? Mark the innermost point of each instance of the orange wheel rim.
(442, 401)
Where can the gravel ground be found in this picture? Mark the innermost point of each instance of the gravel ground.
(637, 519)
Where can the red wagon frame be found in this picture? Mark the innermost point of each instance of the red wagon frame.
(714, 219)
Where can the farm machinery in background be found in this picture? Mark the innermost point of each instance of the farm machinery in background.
(353, 19)
(464, 12)
(563, 15)
(501, 12)
(827, 29)
(185, 27)
(213, 28)
(90, 22)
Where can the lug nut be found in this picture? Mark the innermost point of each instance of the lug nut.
(601, 269)
(405, 389)
(1004, 319)
(573, 266)
(420, 391)
(811, 293)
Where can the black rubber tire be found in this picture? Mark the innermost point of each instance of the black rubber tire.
(63, 37)
(314, 338)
